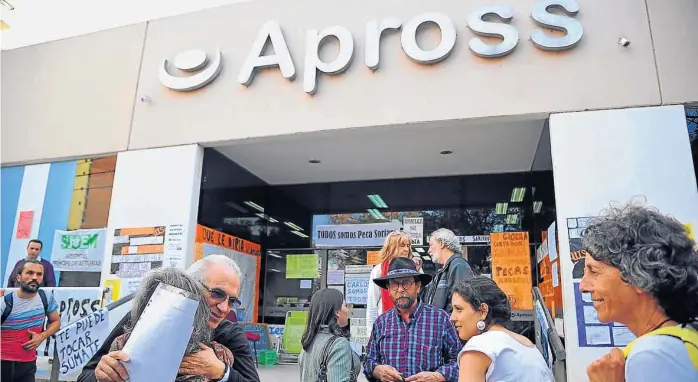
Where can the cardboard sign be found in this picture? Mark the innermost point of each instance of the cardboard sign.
(511, 267)
(77, 343)
(262, 330)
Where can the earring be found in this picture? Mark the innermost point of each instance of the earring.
(480, 325)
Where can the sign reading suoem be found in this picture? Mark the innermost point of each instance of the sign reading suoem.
(193, 61)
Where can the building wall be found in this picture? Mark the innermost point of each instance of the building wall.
(66, 195)
(109, 82)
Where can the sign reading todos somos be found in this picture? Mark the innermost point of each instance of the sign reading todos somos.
(354, 235)
(81, 250)
(77, 343)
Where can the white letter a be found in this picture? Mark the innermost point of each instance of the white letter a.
(281, 57)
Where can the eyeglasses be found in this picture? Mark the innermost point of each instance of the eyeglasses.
(220, 296)
(406, 284)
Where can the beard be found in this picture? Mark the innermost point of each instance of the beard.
(404, 301)
(29, 287)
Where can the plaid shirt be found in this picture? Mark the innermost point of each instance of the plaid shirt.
(415, 347)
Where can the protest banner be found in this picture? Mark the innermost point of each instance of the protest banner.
(80, 250)
(79, 341)
(511, 267)
(356, 288)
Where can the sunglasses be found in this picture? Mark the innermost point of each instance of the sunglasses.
(219, 295)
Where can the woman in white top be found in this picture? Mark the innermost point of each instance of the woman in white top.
(492, 353)
(397, 244)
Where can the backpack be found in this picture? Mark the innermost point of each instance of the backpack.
(9, 301)
(687, 335)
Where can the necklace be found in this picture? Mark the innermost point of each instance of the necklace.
(660, 324)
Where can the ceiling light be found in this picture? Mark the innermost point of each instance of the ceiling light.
(377, 201)
(420, 250)
(237, 207)
(255, 206)
(446, 152)
(301, 234)
(376, 214)
(537, 206)
(512, 219)
(415, 254)
(314, 161)
(501, 208)
(274, 270)
(291, 225)
(263, 216)
(275, 255)
(426, 258)
(517, 194)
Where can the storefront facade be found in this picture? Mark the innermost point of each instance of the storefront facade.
(606, 97)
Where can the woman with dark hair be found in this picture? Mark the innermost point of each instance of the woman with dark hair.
(492, 352)
(327, 354)
(641, 270)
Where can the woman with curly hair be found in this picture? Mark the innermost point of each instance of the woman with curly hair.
(641, 270)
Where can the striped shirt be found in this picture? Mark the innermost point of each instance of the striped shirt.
(27, 315)
(428, 343)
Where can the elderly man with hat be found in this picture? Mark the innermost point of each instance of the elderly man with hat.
(412, 342)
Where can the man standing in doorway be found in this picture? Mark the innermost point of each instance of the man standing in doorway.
(445, 249)
(33, 253)
(23, 314)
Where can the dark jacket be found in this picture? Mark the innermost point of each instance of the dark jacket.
(49, 276)
(227, 334)
(439, 291)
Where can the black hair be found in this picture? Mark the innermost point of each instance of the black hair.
(28, 261)
(324, 306)
(36, 241)
(482, 290)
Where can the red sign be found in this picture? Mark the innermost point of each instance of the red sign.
(24, 224)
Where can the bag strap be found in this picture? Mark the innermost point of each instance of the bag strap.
(688, 336)
(44, 301)
(8, 307)
(324, 357)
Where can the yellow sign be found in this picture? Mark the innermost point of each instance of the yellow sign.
(302, 267)
(114, 286)
(511, 267)
(373, 257)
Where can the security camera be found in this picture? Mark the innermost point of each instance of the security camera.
(623, 42)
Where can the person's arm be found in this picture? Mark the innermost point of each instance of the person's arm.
(459, 272)
(88, 372)
(49, 274)
(373, 358)
(339, 362)
(244, 367)
(451, 346)
(372, 302)
(473, 366)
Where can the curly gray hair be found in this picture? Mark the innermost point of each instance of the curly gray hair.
(447, 238)
(202, 332)
(652, 252)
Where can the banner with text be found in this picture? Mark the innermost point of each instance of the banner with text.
(356, 288)
(81, 250)
(415, 228)
(78, 342)
(354, 235)
(511, 267)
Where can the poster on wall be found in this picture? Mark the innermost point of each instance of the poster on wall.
(415, 229)
(354, 235)
(356, 288)
(511, 267)
(590, 331)
(80, 250)
(248, 257)
(24, 224)
(135, 251)
(302, 266)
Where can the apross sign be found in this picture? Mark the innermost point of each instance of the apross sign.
(195, 60)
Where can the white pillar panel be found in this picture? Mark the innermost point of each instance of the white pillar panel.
(600, 157)
(156, 187)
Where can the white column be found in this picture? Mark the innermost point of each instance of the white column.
(156, 187)
(608, 156)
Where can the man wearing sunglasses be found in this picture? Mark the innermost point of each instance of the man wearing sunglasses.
(220, 277)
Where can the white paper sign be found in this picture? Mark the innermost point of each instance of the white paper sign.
(474, 239)
(81, 250)
(358, 331)
(354, 235)
(415, 229)
(174, 246)
(552, 242)
(78, 342)
(356, 287)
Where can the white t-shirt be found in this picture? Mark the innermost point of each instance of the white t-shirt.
(512, 361)
(659, 358)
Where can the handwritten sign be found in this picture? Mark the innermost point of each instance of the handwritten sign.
(77, 343)
(262, 330)
(373, 257)
(356, 289)
(358, 331)
(511, 267)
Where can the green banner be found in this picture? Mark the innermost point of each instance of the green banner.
(294, 327)
(302, 267)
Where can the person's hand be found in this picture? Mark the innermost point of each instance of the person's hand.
(35, 339)
(109, 369)
(426, 376)
(386, 373)
(204, 363)
(609, 368)
(2, 293)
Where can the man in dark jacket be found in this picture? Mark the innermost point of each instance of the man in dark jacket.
(445, 249)
(220, 276)
(34, 253)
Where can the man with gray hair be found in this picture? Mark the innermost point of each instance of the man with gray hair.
(444, 249)
(219, 276)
